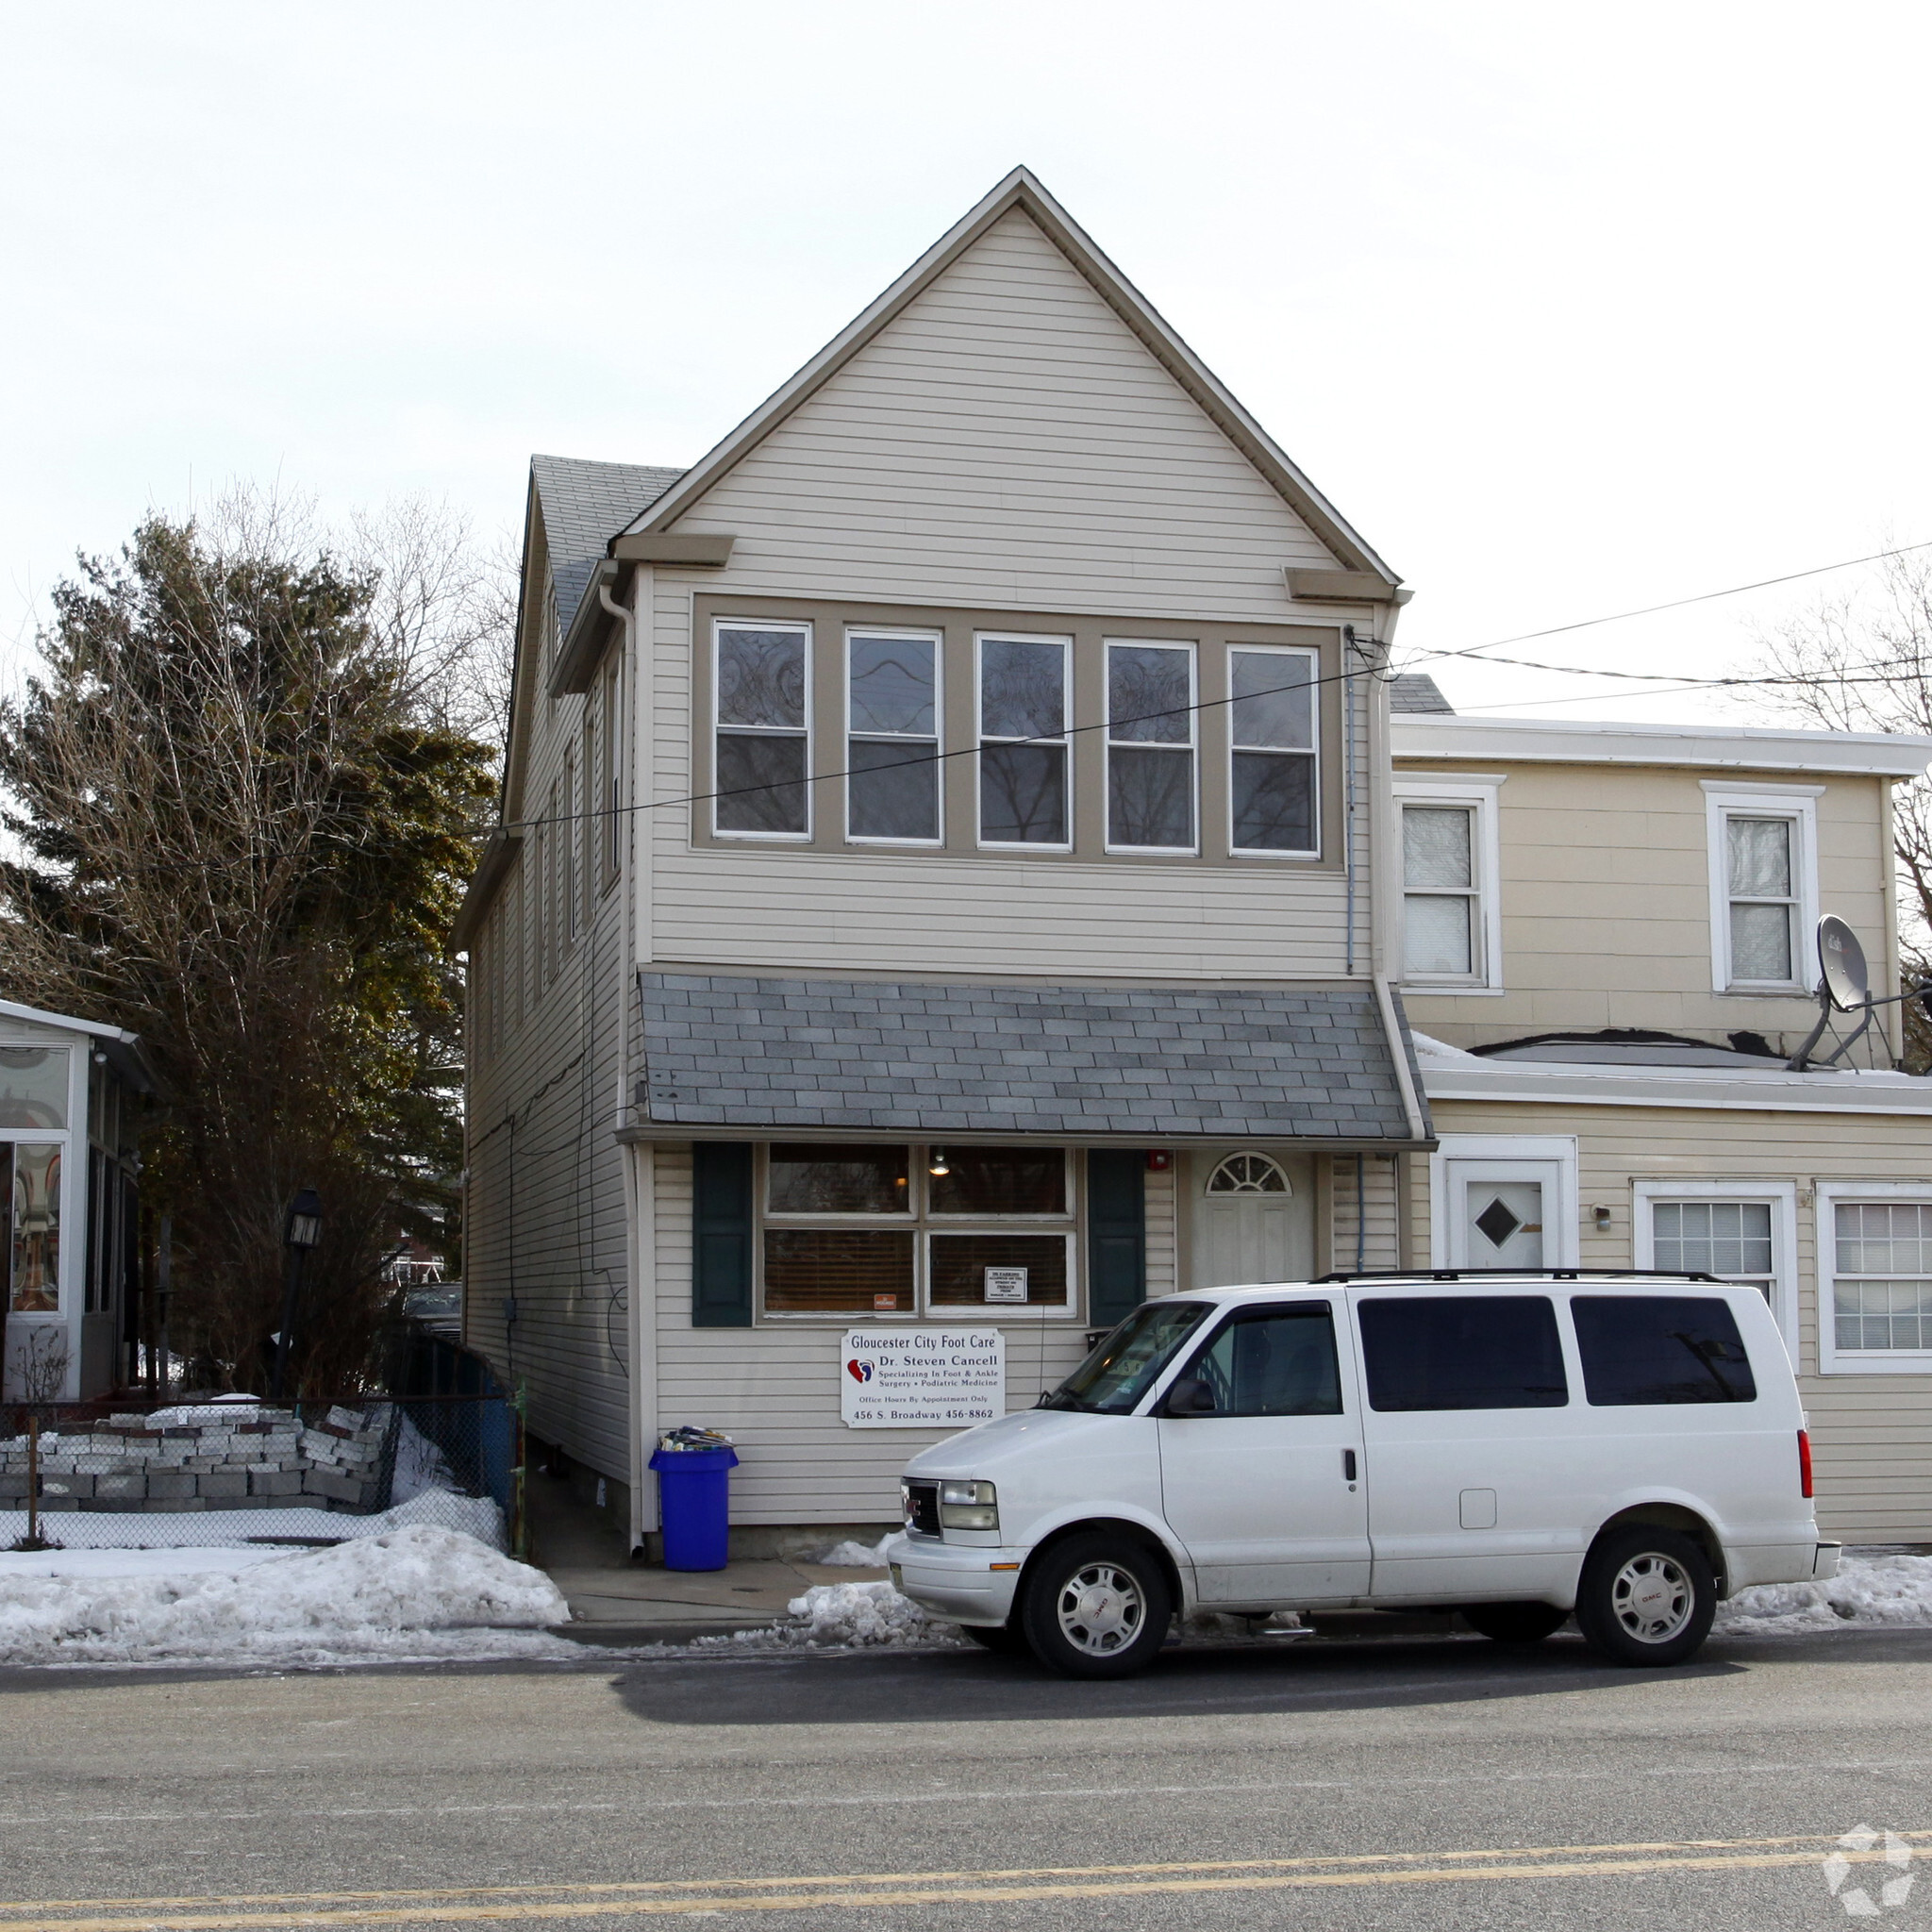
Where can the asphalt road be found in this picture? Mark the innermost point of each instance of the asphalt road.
(1428, 1783)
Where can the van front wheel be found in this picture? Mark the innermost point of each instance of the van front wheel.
(1647, 1597)
(1096, 1606)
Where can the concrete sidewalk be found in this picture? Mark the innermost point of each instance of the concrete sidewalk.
(617, 1599)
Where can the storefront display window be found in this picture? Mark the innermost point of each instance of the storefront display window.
(916, 1228)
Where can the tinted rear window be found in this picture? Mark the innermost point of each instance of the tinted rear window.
(1660, 1348)
(1463, 1352)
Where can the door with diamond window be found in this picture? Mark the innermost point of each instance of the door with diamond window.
(1501, 1214)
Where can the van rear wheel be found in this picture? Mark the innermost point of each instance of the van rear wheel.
(1096, 1606)
(1647, 1597)
(1513, 1622)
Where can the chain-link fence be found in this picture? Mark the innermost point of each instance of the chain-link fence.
(131, 1473)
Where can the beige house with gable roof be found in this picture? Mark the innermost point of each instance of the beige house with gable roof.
(1607, 956)
(959, 869)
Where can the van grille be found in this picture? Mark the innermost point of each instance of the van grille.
(923, 1509)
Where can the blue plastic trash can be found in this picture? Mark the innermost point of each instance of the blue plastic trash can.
(694, 1505)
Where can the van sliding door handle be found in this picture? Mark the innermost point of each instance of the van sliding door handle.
(1348, 1465)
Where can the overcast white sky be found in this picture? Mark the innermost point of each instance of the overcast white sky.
(1569, 308)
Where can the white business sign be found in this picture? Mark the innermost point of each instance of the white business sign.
(922, 1378)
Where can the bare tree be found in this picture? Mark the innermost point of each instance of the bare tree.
(1862, 661)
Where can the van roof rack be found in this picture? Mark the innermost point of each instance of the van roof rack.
(1519, 1274)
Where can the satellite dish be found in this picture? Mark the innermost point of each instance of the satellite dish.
(1843, 961)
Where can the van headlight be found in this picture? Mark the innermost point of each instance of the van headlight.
(969, 1505)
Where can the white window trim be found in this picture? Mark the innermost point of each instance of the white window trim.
(1486, 851)
(1561, 1233)
(1312, 660)
(1782, 1197)
(1832, 1360)
(804, 628)
(1192, 746)
(980, 639)
(938, 642)
(1721, 799)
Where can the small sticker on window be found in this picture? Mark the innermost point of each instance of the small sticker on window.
(1006, 1284)
(884, 1300)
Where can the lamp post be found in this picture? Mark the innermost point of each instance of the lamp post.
(301, 1233)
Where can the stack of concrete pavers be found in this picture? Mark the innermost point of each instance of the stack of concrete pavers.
(211, 1456)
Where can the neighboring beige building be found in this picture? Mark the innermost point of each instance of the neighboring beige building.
(1607, 955)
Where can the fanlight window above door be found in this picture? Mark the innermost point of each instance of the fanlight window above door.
(1248, 1174)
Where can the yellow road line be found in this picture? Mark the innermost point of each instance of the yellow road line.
(1165, 1868)
(991, 1888)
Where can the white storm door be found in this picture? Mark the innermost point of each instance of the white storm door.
(1271, 1506)
(1499, 1211)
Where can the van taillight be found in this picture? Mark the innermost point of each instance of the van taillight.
(1804, 1462)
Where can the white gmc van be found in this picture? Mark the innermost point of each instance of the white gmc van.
(1517, 1447)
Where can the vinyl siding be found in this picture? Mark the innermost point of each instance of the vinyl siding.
(774, 1389)
(1871, 1434)
(1365, 1227)
(1606, 901)
(1006, 441)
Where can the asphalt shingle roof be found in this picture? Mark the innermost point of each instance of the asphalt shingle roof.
(585, 504)
(898, 1057)
(1417, 692)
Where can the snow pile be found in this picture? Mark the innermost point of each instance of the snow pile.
(865, 1615)
(852, 1556)
(1870, 1590)
(416, 1592)
(477, 1516)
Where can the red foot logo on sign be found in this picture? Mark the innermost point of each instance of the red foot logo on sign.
(858, 1370)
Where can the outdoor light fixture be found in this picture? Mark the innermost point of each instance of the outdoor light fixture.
(301, 1232)
(937, 1165)
(305, 1220)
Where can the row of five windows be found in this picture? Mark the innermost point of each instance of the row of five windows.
(1021, 755)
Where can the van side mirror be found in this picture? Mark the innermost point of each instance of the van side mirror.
(1191, 1396)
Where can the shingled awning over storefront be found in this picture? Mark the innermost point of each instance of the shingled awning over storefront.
(1330, 1065)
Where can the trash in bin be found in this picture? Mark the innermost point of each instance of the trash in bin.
(694, 1469)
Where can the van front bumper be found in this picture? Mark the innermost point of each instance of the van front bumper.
(960, 1584)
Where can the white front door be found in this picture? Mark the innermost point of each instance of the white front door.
(1254, 1219)
(1264, 1489)
(1505, 1214)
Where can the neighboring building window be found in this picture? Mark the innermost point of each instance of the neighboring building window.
(872, 1230)
(763, 731)
(892, 747)
(1273, 774)
(1764, 893)
(1741, 1231)
(1150, 748)
(1875, 1279)
(36, 1232)
(610, 784)
(1025, 798)
(567, 835)
(1451, 924)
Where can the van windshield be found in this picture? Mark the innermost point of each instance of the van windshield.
(1115, 1376)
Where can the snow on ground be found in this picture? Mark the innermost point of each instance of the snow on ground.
(863, 1616)
(855, 1556)
(134, 1529)
(90, 1563)
(1875, 1589)
(415, 1592)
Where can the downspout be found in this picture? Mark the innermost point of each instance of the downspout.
(637, 1202)
(1348, 800)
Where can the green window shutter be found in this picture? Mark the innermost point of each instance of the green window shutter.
(721, 1234)
(1116, 1234)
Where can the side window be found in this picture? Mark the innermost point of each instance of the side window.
(763, 735)
(1462, 1352)
(1150, 748)
(893, 789)
(1451, 917)
(1651, 1349)
(1763, 887)
(1024, 795)
(1277, 1361)
(1272, 788)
